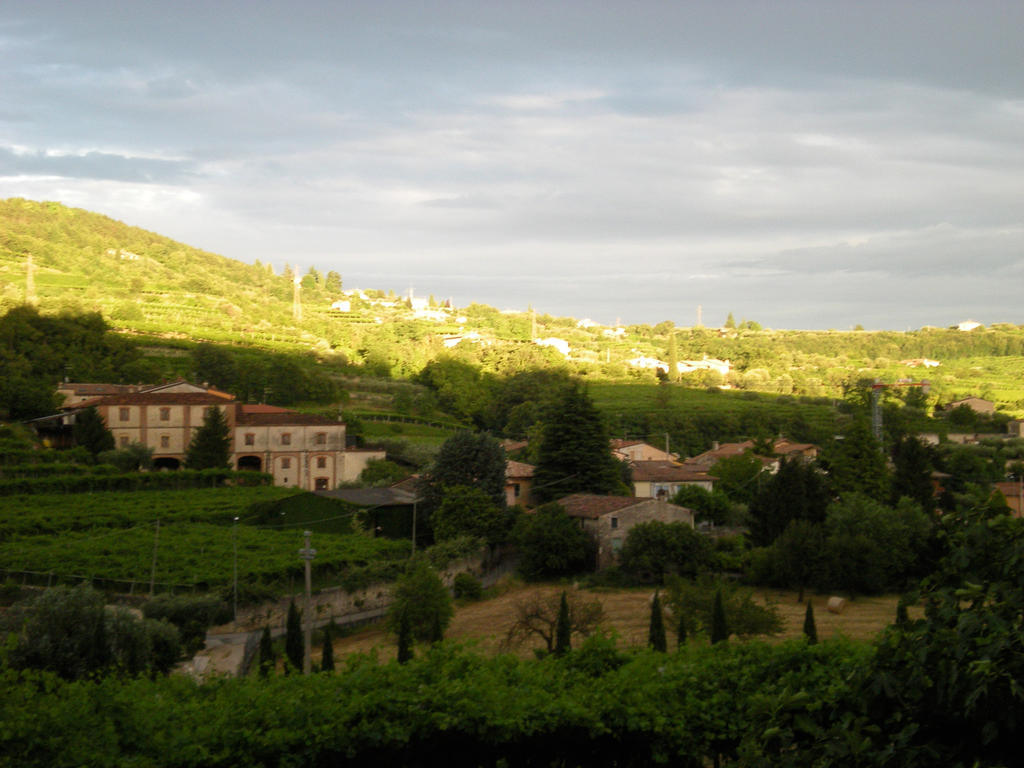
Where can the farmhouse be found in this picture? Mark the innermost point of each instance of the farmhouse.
(609, 518)
(297, 449)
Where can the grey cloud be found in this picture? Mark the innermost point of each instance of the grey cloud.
(94, 165)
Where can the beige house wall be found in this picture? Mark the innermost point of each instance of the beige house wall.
(610, 530)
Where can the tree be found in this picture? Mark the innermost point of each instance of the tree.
(656, 630)
(574, 453)
(719, 629)
(327, 660)
(563, 630)
(796, 492)
(810, 631)
(694, 604)
(912, 468)
(267, 656)
(657, 548)
(210, 447)
(469, 511)
(537, 616)
(856, 462)
(681, 630)
(421, 598)
(215, 365)
(332, 283)
(405, 652)
(549, 543)
(713, 506)
(730, 321)
(294, 645)
(90, 431)
(472, 459)
(673, 357)
(798, 554)
(738, 476)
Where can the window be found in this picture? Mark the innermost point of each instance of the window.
(321, 438)
(321, 484)
(615, 522)
(124, 441)
(250, 438)
(616, 545)
(124, 414)
(286, 463)
(165, 441)
(165, 414)
(321, 462)
(515, 490)
(286, 438)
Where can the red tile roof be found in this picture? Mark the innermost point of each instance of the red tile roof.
(669, 471)
(518, 469)
(154, 398)
(592, 506)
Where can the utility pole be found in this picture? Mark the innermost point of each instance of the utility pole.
(152, 573)
(234, 553)
(307, 553)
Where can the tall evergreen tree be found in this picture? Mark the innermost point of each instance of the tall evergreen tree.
(902, 618)
(673, 357)
(856, 463)
(210, 447)
(327, 662)
(470, 459)
(574, 454)
(266, 652)
(719, 628)
(91, 432)
(656, 632)
(681, 630)
(294, 648)
(404, 638)
(563, 628)
(798, 491)
(912, 468)
(810, 630)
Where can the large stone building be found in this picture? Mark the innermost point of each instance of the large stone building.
(297, 449)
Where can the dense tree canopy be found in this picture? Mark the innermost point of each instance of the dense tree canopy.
(469, 459)
(210, 447)
(550, 543)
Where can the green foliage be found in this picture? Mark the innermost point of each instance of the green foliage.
(327, 657)
(421, 598)
(549, 543)
(574, 454)
(856, 463)
(472, 459)
(405, 639)
(796, 492)
(90, 431)
(70, 632)
(210, 447)
(810, 630)
(711, 506)
(737, 477)
(382, 472)
(693, 603)
(656, 630)
(467, 511)
(719, 627)
(654, 549)
(467, 587)
(912, 467)
(193, 615)
(132, 458)
(294, 643)
(563, 628)
(267, 658)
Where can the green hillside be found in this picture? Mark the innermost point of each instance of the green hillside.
(166, 298)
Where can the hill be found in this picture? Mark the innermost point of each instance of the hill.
(168, 297)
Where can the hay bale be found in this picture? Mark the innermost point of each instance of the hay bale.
(836, 604)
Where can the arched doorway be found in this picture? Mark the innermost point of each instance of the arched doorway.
(251, 463)
(165, 463)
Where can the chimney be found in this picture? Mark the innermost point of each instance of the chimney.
(714, 445)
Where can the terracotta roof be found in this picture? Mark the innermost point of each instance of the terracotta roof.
(592, 506)
(620, 443)
(518, 469)
(722, 452)
(786, 447)
(97, 389)
(260, 408)
(153, 398)
(283, 418)
(667, 471)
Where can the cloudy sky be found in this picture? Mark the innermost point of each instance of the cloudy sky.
(803, 164)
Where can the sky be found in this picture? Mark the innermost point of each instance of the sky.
(802, 164)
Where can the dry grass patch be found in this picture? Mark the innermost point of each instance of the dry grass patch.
(627, 613)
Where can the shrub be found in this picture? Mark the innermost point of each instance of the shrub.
(467, 587)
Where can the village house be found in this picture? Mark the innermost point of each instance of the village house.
(299, 450)
(652, 478)
(518, 483)
(638, 450)
(608, 519)
(976, 404)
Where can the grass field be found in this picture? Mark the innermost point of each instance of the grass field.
(627, 613)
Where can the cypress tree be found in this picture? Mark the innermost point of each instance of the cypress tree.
(266, 652)
(681, 630)
(327, 663)
(90, 431)
(563, 629)
(210, 447)
(719, 629)
(404, 638)
(901, 614)
(436, 629)
(656, 632)
(810, 631)
(293, 644)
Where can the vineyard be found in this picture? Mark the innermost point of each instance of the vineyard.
(184, 539)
